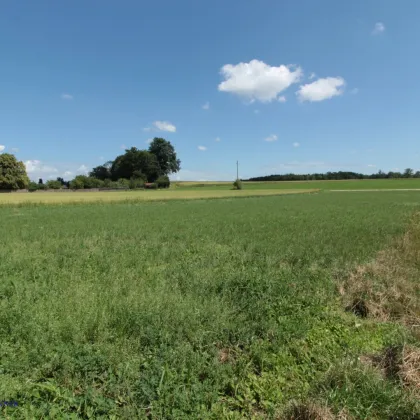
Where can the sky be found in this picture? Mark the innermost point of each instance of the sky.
(281, 86)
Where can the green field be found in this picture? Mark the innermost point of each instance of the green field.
(413, 183)
(204, 309)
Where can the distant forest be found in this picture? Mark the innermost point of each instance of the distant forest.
(408, 173)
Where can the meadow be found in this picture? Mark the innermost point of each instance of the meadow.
(231, 308)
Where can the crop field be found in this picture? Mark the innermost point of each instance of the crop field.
(269, 307)
(352, 184)
(142, 195)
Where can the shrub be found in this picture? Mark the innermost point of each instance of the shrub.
(54, 185)
(163, 182)
(136, 183)
(33, 186)
(237, 185)
(123, 183)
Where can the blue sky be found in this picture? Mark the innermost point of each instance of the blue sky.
(285, 86)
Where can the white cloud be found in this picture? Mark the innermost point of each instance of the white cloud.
(68, 173)
(282, 99)
(83, 169)
(37, 167)
(217, 139)
(66, 97)
(148, 141)
(257, 80)
(206, 106)
(296, 144)
(354, 91)
(202, 148)
(123, 147)
(378, 29)
(312, 76)
(2, 148)
(321, 89)
(371, 166)
(272, 137)
(164, 126)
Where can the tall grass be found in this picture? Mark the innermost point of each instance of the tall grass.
(200, 309)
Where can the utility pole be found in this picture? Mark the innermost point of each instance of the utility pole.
(237, 170)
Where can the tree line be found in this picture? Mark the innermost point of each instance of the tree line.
(408, 173)
(133, 169)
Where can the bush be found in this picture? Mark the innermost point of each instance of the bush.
(136, 183)
(163, 182)
(54, 185)
(33, 186)
(237, 185)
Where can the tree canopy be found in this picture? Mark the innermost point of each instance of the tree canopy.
(12, 173)
(159, 160)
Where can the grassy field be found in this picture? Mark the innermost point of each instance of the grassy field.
(146, 195)
(364, 184)
(210, 309)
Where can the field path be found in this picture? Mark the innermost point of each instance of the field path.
(379, 189)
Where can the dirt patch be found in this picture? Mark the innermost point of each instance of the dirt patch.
(400, 363)
(387, 288)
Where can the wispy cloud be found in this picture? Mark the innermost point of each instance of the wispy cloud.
(148, 141)
(378, 29)
(164, 126)
(312, 76)
(15, 149)
(354, 91)
(256, 111)
(296, 144)
(282, 99)
(206, 106)
(202, 148)
(271, 137)
(67, 97)
(217, 139)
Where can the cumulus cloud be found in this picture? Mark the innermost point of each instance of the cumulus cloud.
(271, 137)
(2, 148)
(296, 144)
(68, 173)
(217, 139)
(378, 29)
(258, 81)
(202, 148)
(206, 106)
(321, 89)
(164, 126)
(37, 167)
(83, 169)
(282, 99)
(66, 96)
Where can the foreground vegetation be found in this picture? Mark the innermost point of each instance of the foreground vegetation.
(211, 308)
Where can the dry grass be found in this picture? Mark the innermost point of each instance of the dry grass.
(387, 288)
(160, 195)
(398, 363)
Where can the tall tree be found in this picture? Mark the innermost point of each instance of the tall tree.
(12, 173)
(166, 156)
(408, 173)
(102, 172)
(134, 163)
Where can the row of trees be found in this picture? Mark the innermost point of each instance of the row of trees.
(133, 169)
(408, 173)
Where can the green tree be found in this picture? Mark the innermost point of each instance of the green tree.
(102, 172)
(163, 181)
(134, 162)
(54, 185)
(12, 173)
(165, 155)
(408, 173)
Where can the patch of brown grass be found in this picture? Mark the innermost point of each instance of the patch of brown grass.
(398, 363)
(388, 288)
